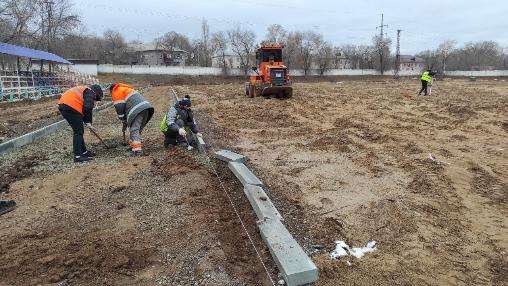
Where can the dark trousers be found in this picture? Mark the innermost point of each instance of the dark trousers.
(170, 138)
(424, 87)
(75, 120)
(173, 138)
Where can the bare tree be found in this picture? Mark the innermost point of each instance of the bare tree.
(56, 20)
(276, 34)
(353, 53)
(114, 46)
(205, 45)
(382, 49)
(483, 53)
(17, 21)
(311, 41)
(367, 56)
(172, 41)
(325, 56)
(293, 41)
(445, 48)
(242, 44)
(219, 45)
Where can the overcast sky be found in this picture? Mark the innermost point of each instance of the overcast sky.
(424, 24)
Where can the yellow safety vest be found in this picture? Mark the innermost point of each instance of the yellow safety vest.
(426, 77)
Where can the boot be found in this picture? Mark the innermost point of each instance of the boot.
(88, 153)
(79, 159)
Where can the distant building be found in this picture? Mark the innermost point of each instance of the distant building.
(232, 61)
(411, 63)
(340, 61)
(337, 61)
(154, 55)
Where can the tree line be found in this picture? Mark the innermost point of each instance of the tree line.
(52, 25)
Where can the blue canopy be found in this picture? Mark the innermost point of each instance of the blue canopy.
(31, 53)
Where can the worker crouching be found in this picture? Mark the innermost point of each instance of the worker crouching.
(134, 112)
(178, 124)
(76, 106)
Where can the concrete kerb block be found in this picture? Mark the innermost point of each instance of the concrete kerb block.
(243, 174)
(228, 156)
(261, 203)
(294, 264)
(296, 267)
(201, 144)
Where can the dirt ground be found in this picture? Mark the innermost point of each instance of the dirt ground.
(346, 160)
(159, 219)
(352, 158)
(21, 117)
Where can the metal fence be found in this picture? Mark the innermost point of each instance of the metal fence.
(16, 86)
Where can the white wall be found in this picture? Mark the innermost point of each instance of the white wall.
(167, 70)
(478, 73)
(196, 71)
(90, 69)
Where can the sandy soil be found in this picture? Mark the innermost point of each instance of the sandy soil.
(341, 160)
(159, 219)
(350, 160)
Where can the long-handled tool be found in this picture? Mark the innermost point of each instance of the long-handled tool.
(189, 147)
(97, 135)
(430, 86)
(124, 128)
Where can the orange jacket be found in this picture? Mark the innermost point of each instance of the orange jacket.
(73, 98)
(121, 91)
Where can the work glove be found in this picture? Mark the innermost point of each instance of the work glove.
(199, 134)
(182, 132)
(89, 126)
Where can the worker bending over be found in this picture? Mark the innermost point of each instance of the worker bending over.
(134, 112)
(178, 123)
(76, 105)
(426, 80)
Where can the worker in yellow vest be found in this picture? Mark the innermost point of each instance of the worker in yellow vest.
(426, 80)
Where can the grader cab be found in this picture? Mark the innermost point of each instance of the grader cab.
(272, 77)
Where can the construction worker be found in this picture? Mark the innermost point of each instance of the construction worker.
(177, 120)
(76, 105)
(134, 112)
(426, 80)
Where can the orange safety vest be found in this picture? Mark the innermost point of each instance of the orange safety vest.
(121, 92)
(74, 98)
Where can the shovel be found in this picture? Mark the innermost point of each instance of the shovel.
(189, 147)
(124, 128)
(97, 135)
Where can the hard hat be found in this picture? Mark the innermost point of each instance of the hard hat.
(97, 90)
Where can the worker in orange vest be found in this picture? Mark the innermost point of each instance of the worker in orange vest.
(76, 105)
(133, 110)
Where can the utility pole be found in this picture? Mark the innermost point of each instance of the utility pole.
(382, 26)
(397, 55)
(381, 46)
